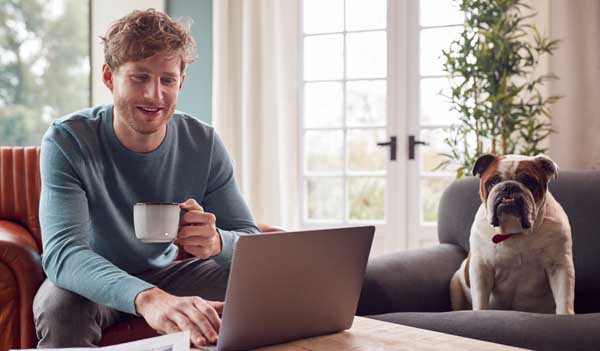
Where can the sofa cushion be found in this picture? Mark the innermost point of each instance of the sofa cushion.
(520, 329)
(579, 195)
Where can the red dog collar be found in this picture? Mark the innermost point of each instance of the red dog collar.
(500, 237)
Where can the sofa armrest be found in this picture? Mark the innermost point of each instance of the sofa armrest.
(410, 281)
(21, 265)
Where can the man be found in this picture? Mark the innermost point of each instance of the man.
(97, 163)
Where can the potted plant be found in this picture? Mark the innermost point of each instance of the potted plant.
(494, 86)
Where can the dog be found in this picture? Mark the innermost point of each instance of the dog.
(520, 245)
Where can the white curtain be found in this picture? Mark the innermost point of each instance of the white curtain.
(255, 101)
(577, 63)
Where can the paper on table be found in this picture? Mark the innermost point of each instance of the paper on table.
(169, 342)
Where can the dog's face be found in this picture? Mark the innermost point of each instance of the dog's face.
(514, 186)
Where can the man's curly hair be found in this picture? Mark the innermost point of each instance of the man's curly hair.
(142, 34)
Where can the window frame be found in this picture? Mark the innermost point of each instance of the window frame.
(344, 174)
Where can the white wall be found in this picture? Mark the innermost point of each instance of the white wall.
(104, 12)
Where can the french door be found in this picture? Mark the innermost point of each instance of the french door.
(372, 118)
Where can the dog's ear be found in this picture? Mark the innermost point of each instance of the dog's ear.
(482, 163)
(549, 167)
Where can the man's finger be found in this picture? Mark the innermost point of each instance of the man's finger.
(197, 339)
(182, 321)
(198, 335)
(168, 327)
(203, 324)
(217, 305)
(200, 341)
(206, 231)
(195, 241)
(198, 217)
(191, 204)
(209, 312)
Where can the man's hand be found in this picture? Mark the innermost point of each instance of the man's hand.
(198, 233)
(167, 313)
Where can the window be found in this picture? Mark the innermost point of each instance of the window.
(372, 74)
(44, 66)
(440, 22)
(344, 94)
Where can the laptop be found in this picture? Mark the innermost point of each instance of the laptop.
(292, 285)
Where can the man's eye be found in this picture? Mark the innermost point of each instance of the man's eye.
(139, 77)
(169, 81)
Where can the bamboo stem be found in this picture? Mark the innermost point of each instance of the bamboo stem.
(504, 131)
(477, 136)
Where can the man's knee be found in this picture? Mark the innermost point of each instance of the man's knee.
(64, 319)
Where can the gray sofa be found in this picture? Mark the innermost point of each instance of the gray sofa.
(411, 287)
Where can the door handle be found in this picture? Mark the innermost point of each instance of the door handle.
(412, 142)
(393, 144)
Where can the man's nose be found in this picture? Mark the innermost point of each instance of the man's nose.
(154, 90)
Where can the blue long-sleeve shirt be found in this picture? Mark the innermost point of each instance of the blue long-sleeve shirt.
(90, 183)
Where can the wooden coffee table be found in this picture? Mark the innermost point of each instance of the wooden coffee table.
(371, 334)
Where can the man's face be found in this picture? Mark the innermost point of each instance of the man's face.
(145, 94)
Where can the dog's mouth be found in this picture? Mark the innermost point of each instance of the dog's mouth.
(507, 200)
(510, 212)
(508, 203)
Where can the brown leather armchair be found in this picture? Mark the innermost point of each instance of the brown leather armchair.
(20, 249)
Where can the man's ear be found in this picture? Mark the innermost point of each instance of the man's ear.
(107, 77)
(482, 163)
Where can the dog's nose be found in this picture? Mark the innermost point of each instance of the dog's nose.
(510, 187)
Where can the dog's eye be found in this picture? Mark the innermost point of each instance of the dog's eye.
(530, 182)
(491, 182)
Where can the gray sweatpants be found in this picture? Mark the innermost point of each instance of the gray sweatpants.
(65, 319)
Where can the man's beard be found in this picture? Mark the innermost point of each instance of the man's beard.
(128, 113)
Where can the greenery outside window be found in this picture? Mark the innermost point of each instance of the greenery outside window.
(44, 65)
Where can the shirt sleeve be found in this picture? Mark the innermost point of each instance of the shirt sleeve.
(224, 200)
(68, 260)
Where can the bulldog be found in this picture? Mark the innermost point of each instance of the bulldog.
(520, 245)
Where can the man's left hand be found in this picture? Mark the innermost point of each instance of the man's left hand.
(198, 233)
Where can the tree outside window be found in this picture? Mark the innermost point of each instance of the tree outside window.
(44, 65)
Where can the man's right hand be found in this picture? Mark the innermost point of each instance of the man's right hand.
(167, 313)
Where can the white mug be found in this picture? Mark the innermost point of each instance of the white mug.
(156, 222)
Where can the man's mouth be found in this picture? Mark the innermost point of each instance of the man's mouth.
(150, 110)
